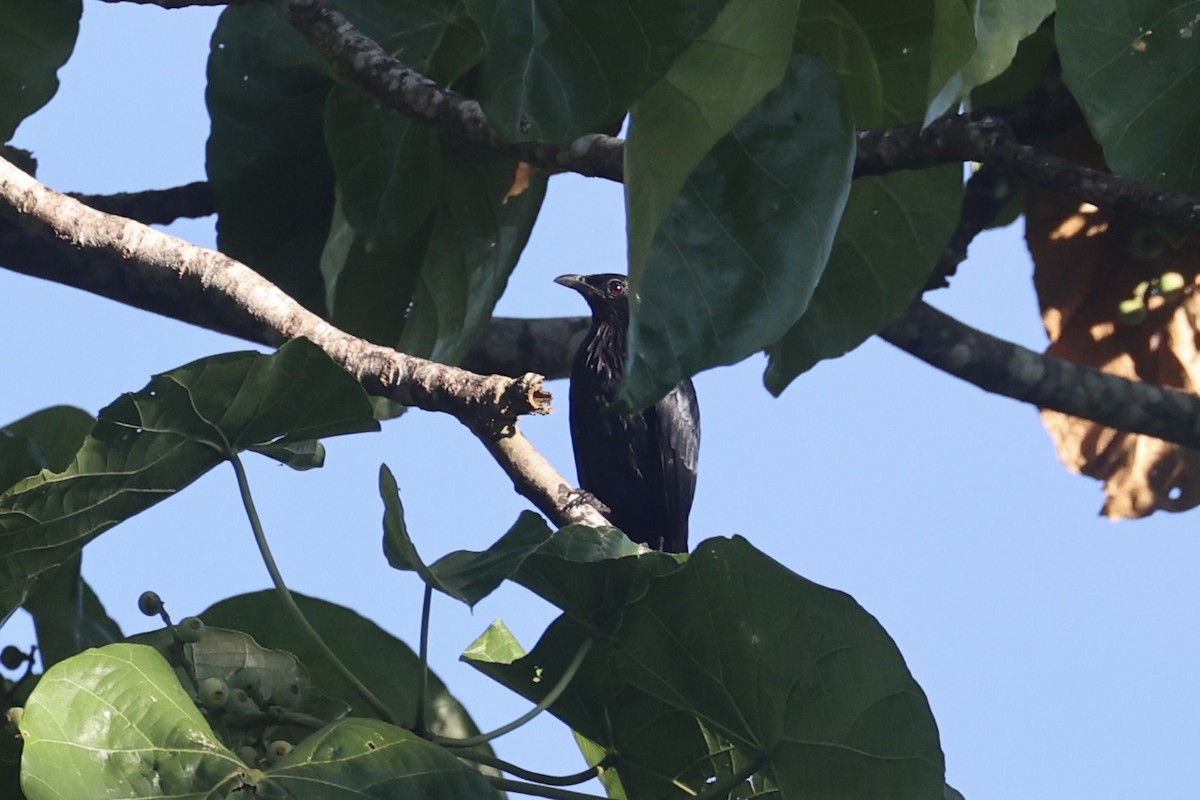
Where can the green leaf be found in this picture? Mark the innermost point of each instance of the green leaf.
(557, 69)
(149, 444)
(787, 669)
(423, 238)
(715, 83)
(385, 664)
(116, 722)
(36, 38)
(477, 236)
(363, 758)
(745, 240)
(651, 747)
(999, 26)
(1134, 67)
(894, 227)
(46, 439)
(465, 575)
(270, 174)
(67, 614)
(731, 647)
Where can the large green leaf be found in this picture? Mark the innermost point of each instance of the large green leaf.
(1134, 67)
(152, 443)
(267, 163)
(465, 575)
(388, 667)
(895, 226)
(735, 645)
(557, 69)
(999, 26)
(115, 722)
(745, 239)
(36, 38)
(787, 669)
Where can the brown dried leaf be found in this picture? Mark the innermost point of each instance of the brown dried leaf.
(1086, 262)
(521, 178)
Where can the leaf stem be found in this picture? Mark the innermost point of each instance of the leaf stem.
(521, 787)
(528, 774)
(423, 686)
(289, 602)
(547, 701)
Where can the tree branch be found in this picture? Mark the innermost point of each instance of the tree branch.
(119, 252)
(171, 4)
(155, 206)
(1005, 368)
(363, 62)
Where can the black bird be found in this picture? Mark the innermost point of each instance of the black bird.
(642, 466)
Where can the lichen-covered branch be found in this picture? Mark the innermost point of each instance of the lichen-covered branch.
(117, 252)
(1005, 368)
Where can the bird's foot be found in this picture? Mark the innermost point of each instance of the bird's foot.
(582, 497)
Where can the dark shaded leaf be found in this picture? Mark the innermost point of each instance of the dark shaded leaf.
(731, 647)
(67, 614)
(557, 69)
(1134, 67)
(733, 632)
(36, 38)
(745, 240)
(894, 227)
(270, 174)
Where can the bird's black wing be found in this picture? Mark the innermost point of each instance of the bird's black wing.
(676, 424)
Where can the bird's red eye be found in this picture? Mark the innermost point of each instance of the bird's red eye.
(616, 288)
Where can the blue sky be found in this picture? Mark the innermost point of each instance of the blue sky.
(1058, 650)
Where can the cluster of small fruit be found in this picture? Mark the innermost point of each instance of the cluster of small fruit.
(245, 706)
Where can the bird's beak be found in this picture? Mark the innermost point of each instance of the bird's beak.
(575, 282)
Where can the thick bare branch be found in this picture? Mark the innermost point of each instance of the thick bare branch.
(1005, 368)
(131, 254)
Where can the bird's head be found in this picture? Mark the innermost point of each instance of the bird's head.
(607, 293)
